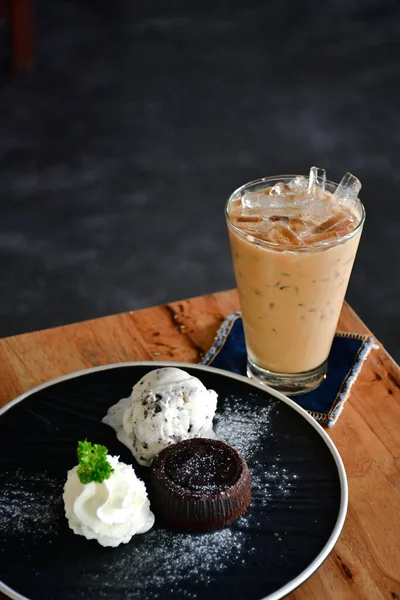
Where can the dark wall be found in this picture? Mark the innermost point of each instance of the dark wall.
(120, 148)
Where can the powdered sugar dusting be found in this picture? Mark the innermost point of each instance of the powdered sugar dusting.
(198, 466)
(245, 425)
(167, 560)
(30, 503)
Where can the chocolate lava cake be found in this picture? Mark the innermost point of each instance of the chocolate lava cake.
(199, 485)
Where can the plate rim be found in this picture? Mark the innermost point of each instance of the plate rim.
(334, 536)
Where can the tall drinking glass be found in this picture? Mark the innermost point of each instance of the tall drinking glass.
(291, 287)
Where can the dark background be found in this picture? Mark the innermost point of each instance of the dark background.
(119, 149)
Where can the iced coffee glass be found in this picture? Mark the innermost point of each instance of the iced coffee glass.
(292, 256)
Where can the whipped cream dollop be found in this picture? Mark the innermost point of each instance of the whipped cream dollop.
(165, 407)
(110, 512)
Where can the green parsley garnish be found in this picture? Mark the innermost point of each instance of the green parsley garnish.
(93, 463)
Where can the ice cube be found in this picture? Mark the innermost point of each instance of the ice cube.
(298, 184)
(348, 189)
(324, 236)
(251, 200)
(283, 219)
(283, 235)
(263, 202)
(253, 227)
(301, 224)
(316, 183)
(250, 219)
(280, 188)
(333, 228)
(346, 226)
(253, 205)
(331, 223)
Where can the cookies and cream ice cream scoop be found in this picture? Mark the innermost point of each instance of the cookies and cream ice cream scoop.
(165, 407)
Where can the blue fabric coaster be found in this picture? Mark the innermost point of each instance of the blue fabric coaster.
(348, 352)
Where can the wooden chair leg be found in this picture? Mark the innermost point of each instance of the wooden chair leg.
(21, 33)
(4, 9)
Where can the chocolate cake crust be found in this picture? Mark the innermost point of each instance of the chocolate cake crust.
(199, 485)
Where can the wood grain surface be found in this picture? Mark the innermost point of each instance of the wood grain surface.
(365, 562)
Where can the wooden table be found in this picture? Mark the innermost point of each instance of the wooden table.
(365, 562)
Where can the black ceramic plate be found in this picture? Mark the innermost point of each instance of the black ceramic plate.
(299, 498)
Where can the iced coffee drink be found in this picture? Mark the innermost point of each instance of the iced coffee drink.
(294, 240)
